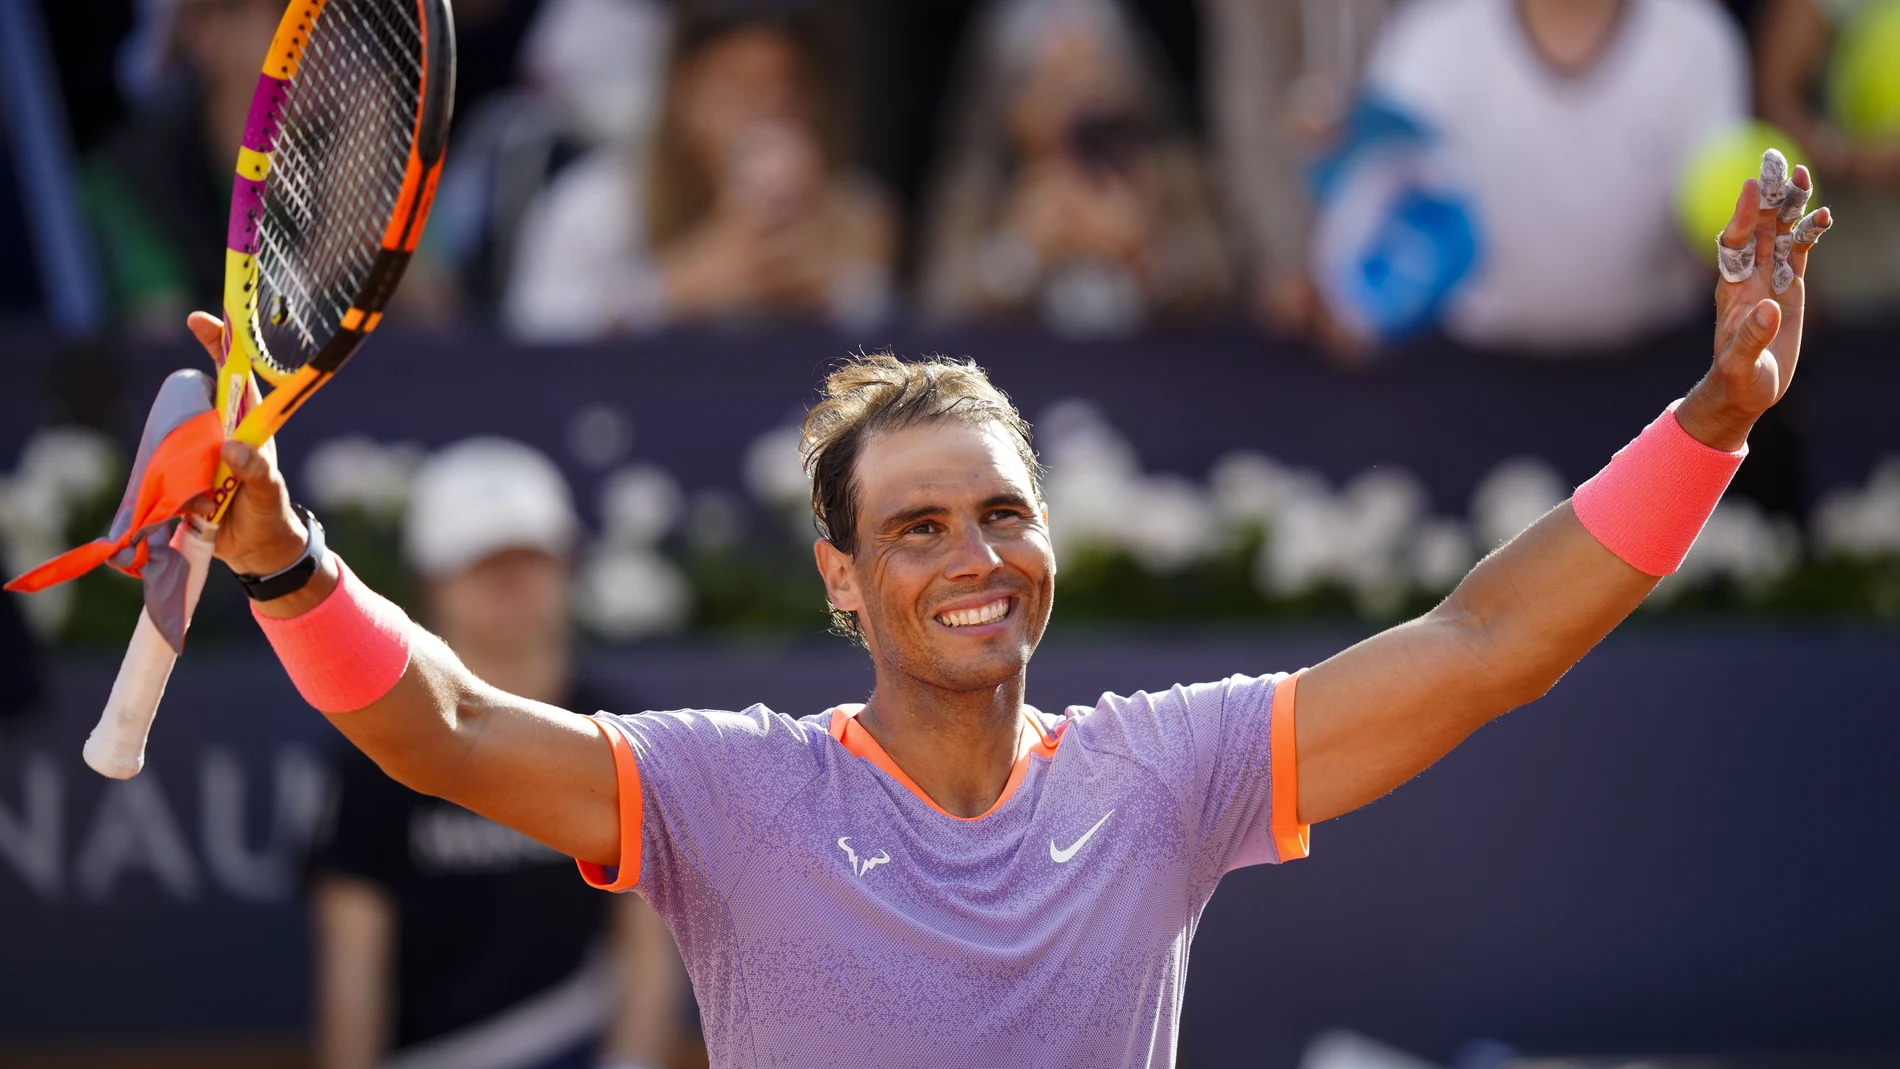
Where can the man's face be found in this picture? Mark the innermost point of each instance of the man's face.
(953, 577)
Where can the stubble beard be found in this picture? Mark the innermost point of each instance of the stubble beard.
(927, 664)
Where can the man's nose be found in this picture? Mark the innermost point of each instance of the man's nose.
(971, 554)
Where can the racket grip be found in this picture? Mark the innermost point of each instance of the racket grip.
(116, 747)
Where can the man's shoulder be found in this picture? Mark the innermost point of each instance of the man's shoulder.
(1148, 718)
(725, 765)
(735, 738)
(757, 720)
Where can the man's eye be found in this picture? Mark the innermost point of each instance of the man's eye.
(922, 528)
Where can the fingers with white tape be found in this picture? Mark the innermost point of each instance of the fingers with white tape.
(1774, 179)
(1783, 275)
(1736, 265)
(1776, 191)
(1792, 207)
(1810, 228)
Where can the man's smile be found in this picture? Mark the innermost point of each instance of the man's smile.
(976, 615)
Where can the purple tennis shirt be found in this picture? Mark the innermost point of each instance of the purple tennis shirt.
(831, 915)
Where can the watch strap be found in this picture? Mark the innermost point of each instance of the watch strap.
(291, 579)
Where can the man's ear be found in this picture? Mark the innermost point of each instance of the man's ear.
(834, 567)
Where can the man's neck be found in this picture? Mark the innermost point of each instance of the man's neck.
(957, 746)
(1570, 35)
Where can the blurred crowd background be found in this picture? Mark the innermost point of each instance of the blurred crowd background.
(1352, 184)
(1311, 302)
(1348, 173)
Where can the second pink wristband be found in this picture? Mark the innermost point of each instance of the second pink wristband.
(1651, 501)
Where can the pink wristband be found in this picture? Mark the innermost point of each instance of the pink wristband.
(348, 651)
(1649, 503)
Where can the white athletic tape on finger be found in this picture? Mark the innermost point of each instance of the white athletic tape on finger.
(1736, 265)
(1774, 179)
(1807, 231)
(1796, 204)
(1783, 275)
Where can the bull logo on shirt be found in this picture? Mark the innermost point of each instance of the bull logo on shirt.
(861, 867)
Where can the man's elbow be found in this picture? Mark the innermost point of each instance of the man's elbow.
(1525, 688)
(1504, 670)
(432, 762)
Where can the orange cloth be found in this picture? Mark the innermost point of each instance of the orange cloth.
(180, 468)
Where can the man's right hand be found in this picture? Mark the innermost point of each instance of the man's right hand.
(260, 533)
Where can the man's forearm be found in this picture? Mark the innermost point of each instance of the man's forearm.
(421, 731)
(1383, 711)
(539, 769)
(1536, 606)
(402, 697)
(410, 730)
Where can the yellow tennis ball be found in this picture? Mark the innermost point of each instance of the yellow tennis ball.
(1712, 177)
(1863, 75)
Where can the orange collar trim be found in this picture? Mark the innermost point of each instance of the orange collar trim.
(852, 736)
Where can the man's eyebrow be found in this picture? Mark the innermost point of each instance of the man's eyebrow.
(998, 500)
(910, 516)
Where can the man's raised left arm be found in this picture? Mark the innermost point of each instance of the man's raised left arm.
(1372, 717)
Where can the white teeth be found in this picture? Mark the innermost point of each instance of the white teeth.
(982, 614)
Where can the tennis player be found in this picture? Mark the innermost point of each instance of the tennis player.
(943, 875)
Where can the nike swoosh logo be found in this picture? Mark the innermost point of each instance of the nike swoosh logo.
(1061, 856)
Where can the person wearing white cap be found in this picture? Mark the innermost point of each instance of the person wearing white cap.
(443, 938)
(490, 530)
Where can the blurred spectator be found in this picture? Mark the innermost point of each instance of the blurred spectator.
(158, 188)
(1569, 120)
(442, 938)
(1069, 192)
(744, 205)
(590, 74)
(1282, 76)
(1844, 52)
(489, 38)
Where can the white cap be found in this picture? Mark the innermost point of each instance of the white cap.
(481, 496)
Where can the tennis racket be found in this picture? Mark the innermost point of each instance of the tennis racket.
(335, 179)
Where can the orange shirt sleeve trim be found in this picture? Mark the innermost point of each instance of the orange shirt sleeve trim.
(627, 782)
(1291, 839)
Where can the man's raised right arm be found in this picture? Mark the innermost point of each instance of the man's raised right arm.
(543, 771)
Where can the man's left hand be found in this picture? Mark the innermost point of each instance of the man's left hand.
(1757, 332)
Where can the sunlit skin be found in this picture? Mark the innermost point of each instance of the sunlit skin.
(948, 522)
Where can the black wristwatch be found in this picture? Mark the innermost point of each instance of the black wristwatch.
(292, 579)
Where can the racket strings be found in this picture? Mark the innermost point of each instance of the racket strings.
(341, 154)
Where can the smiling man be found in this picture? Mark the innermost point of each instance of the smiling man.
(943, 875)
